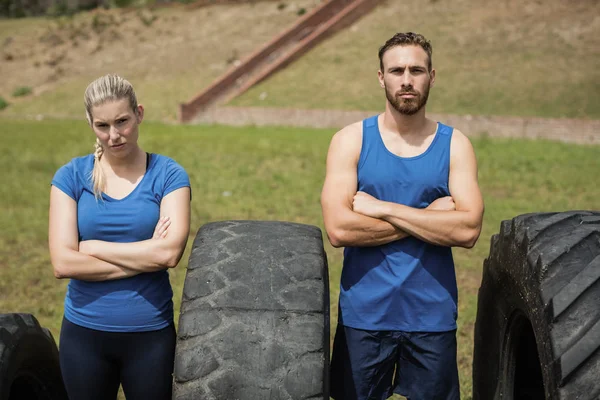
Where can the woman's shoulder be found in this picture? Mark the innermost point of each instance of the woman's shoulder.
(168, 172)
(77, 166)
(71, 178)
(162, 161)
(81, 163)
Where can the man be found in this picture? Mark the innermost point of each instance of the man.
(399, 192)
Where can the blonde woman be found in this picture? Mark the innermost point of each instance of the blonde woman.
(119, 219)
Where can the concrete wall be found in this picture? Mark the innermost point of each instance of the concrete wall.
(559, 129)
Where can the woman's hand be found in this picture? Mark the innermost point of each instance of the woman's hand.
(160, 232)
(159, 252)
(162, 228)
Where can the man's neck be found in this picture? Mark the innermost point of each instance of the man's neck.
(405, 125)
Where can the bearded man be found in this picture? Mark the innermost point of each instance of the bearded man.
(400, 191)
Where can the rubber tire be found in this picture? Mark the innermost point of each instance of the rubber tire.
(538, 317)
(254, 321)
(29, 367)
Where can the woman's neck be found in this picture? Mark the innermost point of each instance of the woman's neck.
(131, 162)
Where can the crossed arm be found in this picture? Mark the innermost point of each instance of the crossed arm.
(97, 260)
(343, 225)
(359, 219)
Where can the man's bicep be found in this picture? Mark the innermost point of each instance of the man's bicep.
(338, 191)
(463, 182)
(341, 176)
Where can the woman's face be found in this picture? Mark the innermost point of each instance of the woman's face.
(116, 126)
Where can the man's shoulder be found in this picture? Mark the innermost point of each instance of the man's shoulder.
(349, 138)
(460, 146)
(459, 139)
(353, 129)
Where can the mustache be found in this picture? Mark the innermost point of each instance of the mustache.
(407, 90)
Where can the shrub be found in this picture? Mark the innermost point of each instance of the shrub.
(146, 17)
(22, 91)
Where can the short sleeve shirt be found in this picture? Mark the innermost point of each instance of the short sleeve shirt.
(139, 303)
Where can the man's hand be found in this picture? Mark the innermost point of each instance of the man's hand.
(161, 229)
(442, 204)
(368, 205)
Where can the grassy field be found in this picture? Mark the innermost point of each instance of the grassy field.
(492, 57)
(270, 174)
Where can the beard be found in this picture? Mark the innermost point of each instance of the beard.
(407, 106)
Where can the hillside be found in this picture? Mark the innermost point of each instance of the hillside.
(169, 54)
(507, 57)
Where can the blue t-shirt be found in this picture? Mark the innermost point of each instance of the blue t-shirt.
(409, 284)
(140, 303)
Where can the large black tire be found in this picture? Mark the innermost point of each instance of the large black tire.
(254, 322)
(29, 368)
(537, 334)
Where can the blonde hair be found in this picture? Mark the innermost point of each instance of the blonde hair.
(106, 88)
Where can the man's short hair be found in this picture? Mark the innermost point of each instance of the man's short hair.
(406, 39)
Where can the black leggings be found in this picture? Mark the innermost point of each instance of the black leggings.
(93, 363)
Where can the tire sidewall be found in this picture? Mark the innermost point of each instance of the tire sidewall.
(507, 294)
(31, 354)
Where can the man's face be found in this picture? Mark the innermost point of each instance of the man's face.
(406, 79)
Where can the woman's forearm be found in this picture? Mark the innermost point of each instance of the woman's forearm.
(143, 256)
(73, 264)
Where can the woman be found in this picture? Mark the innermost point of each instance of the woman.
(119, 219)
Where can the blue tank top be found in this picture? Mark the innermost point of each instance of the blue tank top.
(407, 285)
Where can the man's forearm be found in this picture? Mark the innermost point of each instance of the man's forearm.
(443, 228)
(359, 230)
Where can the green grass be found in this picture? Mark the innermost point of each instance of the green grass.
(272, 174)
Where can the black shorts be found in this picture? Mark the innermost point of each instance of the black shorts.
(372, 365)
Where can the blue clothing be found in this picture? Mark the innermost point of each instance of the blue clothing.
(407, 285)
(140, 303)
(372, 365)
